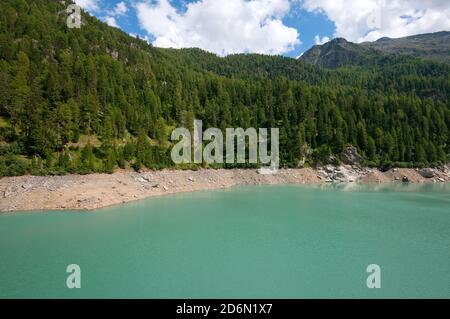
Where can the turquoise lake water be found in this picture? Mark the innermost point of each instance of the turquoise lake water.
(245, 242)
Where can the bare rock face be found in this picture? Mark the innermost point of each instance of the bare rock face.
(350, 156)
(427, 173)
(332, 160)
(339, 174)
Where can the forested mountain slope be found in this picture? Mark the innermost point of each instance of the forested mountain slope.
(94, 99)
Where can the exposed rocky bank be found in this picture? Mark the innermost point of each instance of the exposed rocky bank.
(88, 192)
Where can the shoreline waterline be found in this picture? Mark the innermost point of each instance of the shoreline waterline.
(94, 191)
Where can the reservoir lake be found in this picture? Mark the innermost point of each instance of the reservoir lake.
(242, 242)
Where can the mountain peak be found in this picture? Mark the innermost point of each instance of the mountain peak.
(339, 40)
(336, 53)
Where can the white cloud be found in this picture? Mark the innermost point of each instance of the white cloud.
(144, 38)
(90, 5)
(320, 41)
(120, 9)
(369, 20)
(111, 21)
(222, 27)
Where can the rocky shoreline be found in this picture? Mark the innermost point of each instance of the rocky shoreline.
(89, 192)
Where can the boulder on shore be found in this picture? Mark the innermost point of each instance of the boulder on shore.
(427, 173)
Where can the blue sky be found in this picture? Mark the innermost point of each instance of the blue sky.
(309, 26)
(287, 27)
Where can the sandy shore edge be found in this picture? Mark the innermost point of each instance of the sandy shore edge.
(89, 192)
